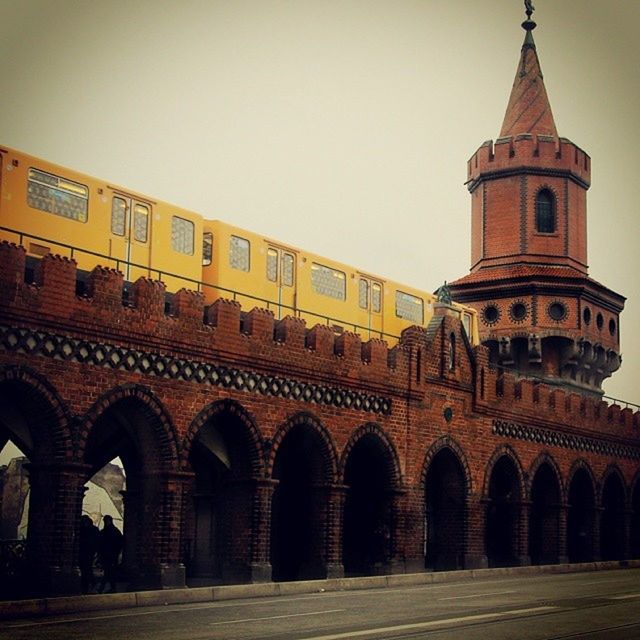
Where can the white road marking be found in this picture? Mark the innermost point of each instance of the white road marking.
(431, 623)
(291, 615)
(626, 596)
(477, 595)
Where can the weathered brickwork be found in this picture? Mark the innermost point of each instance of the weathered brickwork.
(257, 449)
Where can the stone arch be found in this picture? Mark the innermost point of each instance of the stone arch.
(581, 512)
(150, 409)
(308, 420)
(503, 490)
(545, 458)
(251, 434)
(613, 505)
(222, 452)
(43, 412)
(392, 461)
(130, 423)
(35, 418)
(303, 464)
(545, 496)
(370, 471)
(446, 481)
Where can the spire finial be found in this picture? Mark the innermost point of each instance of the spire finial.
(529, 8)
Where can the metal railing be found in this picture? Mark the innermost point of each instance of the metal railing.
(202, 287)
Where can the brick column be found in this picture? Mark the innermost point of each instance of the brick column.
(522, 511)
(55, 506)
(626, 515)
(597, 517)
(336, 495)
(261, 530)
(563, 511)
(396, 550)
(475, 555)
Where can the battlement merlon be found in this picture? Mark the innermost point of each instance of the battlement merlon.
(535, 154)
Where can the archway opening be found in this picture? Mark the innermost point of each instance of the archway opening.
(219, 515)
(123, 445)
(298, 515)
(367, 527)
(445, 493)
(612, 545)
(503, 514)
(635, 521)
(544, 519)
(580, 518)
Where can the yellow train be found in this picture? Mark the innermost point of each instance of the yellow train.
(47, 208)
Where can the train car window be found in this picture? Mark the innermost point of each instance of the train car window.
(272, 265)
(363, 293)
(140, 222)
(328, 282)
(239, 253)
(118, 216)
(182, 235)
(207, 248)
(57, 195)
(409, 307)
(376, 297)
(287, 269)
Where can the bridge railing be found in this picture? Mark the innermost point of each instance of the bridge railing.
(119, 264)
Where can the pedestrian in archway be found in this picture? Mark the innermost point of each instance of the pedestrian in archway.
(110, 546)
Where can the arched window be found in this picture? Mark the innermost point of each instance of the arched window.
(452, 352)
(545, 212)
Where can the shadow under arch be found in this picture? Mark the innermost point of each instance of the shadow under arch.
(223, 451)
(36, 420)
(303, 461)
(635, 516)
(581, 513)
(130, 423)
(503, 491)
(613, 504)
(545, 498)
(447, 483)
(370, 469)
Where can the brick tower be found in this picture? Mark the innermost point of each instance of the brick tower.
(539, 311)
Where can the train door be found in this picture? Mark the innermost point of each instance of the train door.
(281, 280)
(370, 303)
(131, 235)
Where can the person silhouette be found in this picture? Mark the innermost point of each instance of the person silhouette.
(109, 548)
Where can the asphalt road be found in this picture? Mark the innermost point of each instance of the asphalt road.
(584, 606)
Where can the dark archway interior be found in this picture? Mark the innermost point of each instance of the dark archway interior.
(367, 526)
(501, 538)
(544, 519)
(219, 515)
(612, 521)
(126, 431)
(580, 518)
(445, 512)
(297, 550)
(635, 521)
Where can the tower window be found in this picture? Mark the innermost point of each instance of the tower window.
(545, 212)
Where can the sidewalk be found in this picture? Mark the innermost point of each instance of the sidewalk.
(73, 604)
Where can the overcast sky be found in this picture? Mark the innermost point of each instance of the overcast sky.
(341, 127)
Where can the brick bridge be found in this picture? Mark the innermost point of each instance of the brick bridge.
(259, 450)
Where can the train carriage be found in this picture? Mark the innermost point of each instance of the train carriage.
(49, 209)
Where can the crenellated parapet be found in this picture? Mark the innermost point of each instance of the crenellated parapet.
(535, 154)
(530, 401)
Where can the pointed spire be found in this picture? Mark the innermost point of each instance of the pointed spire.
(528, 110)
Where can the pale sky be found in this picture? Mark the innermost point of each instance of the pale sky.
(342, 127)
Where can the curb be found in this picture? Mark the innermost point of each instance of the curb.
(82, 603)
